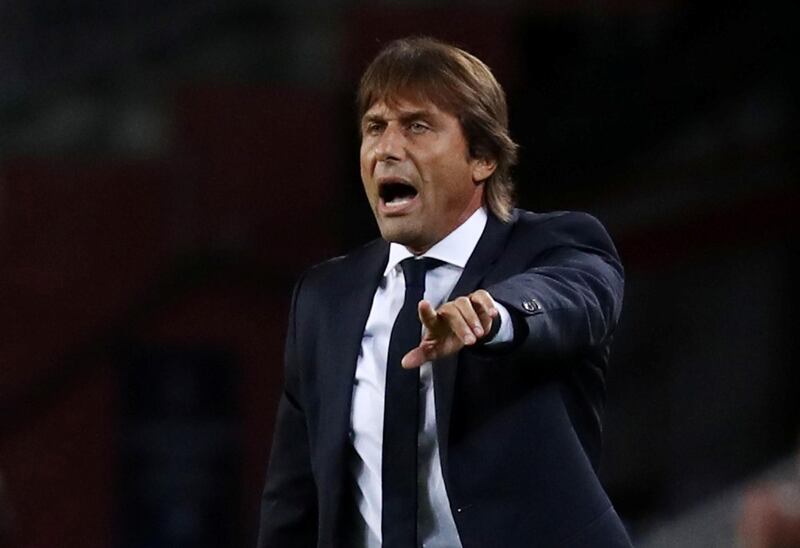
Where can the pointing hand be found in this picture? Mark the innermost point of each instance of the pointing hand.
(455, 324)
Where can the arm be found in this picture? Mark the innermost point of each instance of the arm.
(568, 301)
(289, 502)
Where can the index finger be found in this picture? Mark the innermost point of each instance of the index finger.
(427, 315)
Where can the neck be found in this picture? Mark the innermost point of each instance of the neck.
(469, 210)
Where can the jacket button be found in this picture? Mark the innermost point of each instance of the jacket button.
(531, 305)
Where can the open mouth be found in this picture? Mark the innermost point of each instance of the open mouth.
(396, 193)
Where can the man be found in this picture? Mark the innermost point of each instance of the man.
(486, 432)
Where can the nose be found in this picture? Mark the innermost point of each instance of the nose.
(390, 146)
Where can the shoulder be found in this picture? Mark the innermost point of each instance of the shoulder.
(342, 271)
(556, 220)
(561, 227)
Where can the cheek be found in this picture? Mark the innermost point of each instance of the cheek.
(364, 164)
(363, 154)
(367, 183)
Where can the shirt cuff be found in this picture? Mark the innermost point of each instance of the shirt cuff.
(505, 333)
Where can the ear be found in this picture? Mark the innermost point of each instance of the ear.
(482, 169)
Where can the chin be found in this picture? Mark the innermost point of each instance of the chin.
(397, 234)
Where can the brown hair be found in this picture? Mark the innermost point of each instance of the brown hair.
(422, 68)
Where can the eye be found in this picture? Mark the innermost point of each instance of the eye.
(418, 127)
(373, 128)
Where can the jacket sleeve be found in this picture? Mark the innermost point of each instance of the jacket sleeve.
(569, 299)
(289, 502)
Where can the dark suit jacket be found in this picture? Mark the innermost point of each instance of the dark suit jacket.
(519, 427)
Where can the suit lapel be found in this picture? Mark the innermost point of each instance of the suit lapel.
(351, 308)
(348, 311)
(486, 253)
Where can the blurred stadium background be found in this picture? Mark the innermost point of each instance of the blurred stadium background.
(168, 168)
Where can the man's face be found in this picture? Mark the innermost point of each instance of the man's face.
(417, 172)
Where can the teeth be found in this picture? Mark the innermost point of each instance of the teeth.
(397, 202)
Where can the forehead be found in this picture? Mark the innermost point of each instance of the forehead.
(404, 105)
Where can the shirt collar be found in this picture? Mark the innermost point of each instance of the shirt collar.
(454, 249)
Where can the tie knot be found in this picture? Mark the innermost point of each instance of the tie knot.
(414, 270)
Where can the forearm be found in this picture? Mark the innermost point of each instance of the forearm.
(566, 304)
(289, 501)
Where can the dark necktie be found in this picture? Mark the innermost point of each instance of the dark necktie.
(401, 416)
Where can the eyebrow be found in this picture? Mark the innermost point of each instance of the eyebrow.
(404, 117)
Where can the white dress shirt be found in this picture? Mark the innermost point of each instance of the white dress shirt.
(435, 525)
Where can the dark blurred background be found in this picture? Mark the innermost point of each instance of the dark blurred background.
(167, 169)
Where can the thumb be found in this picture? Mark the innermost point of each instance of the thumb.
(415, 358)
